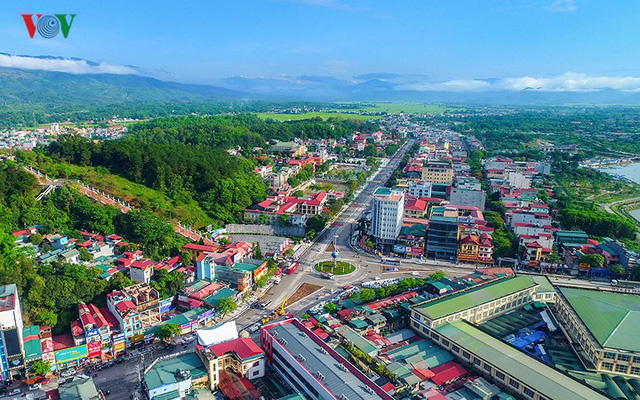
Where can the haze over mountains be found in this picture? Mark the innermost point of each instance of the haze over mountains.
(45, 80)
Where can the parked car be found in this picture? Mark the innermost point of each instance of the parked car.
(62, 381)
(14, 391)
(45, 381)
(35, 386)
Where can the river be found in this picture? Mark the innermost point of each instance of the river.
(631, 171)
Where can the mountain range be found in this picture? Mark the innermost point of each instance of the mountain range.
(72, 81)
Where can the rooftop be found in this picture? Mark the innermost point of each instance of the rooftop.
(349, 382)
(164, 372)
(533, 373)
(475, 296)
(612, 318)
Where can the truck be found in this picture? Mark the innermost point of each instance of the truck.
(327, 275)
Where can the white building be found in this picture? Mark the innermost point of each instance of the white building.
(419, 189)
(388, 210)
(465, 197)
(12, 350)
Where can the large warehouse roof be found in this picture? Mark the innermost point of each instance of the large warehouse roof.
(612, 318)
(533, 373)
(475, 296)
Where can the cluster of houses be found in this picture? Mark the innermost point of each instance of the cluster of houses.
(28, 139)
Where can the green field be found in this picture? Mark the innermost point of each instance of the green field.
(342, 268)
(402, 107)
(323, 115)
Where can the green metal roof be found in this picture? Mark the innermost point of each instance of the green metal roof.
(163, 372)
(544, 285)
(172, 395)
(223, 293)
(533, 373)
(246, 266)
(475, 296)
(357, 340)
(612, 318)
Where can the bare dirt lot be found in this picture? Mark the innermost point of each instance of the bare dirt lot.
(303, 291)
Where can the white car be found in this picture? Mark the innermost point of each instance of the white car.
(35, 386)
(14, 391)
(376, 278)
(415, 273)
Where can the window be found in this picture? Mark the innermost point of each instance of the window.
(500, 375)
(513, 383)
(466, 355)
(635, 370)
(622, 368)
(607, 366)
(624, 357)
(636, 359)
(445, 342)
(455, 348)
(528, 392)
(610, 356)
(487, 368)
(476, 361)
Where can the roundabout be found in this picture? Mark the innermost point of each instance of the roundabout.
(341, 267)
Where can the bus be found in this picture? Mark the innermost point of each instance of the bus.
(292, 268)
(390, 261)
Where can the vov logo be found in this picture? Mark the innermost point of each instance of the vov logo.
(48, 26)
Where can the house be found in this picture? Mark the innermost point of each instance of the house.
(242, 356)
(141, 271)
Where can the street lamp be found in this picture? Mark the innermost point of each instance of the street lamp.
(335, 253)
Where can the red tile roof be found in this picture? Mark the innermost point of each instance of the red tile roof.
(242, 347)
(448, 372)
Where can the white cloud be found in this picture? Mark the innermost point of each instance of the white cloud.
(563, 6)
(64, 65)
(335, 4)
(567, 82)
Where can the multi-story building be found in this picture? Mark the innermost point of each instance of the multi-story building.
(147, 301)
(466, 197)
(604, 326)
(437, 172)
(126, 313)
(11, 345)
(419, 189)
(241, 355)
(141, 271)
(480, 303)
(96, 328)
(387, 214)
(442, 237)
(312, 367)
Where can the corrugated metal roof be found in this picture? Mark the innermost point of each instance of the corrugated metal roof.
(533, 373)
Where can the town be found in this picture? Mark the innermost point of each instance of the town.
(385, 264)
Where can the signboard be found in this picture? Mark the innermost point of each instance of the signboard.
(137, 338)
(585, 266)
(95, 349)
(165, 305)
(399, 248)
(71, 354)
(119, 346)
(91, 333)
(205, 315)
(417, 251)
(260, 272)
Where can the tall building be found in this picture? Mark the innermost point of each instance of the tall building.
(437, 172)
(387, 214)
(11, 346)
(442, 237)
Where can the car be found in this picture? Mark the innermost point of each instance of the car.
(415, 273)
(35, 386)
(14, 391)
(290, 315)
(45, 381)
(62, 381)
(346, 287)
(376, 278)
(253, 328)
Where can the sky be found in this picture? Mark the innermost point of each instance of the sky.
(420, 44)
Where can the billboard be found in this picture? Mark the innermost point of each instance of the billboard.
(399, 248)
(71, 354)
(119, 346)
(95, 349)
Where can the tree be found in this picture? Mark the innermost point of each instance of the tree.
(119, 281)
(316, 223)
(226, 306)
(40, 367)
(436, 276)
(618, 270)
(305, 316)
(84, 254)
(185, 256)
(369, 244)
(35, 239)
(46, 317)
(257, 252)
(330, 307)
(167, 332)
(594, 260)
(263, 281)
(367, 295)
(288, 252)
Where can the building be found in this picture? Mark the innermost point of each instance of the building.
(141, 271)
(467, 197)
(509, 367)
(604, 325)
(242, 356)
(96, 330)
(195, 250)
(173, 377)
(479, 303)
(80, 388)
(442, 237)
(437, 172)
(290, 148)
(419, 189)
(312, 367)
(387, 214)
(11, 344)
(287, 209)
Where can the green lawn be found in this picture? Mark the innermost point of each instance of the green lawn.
(342, 267)
(323, 115)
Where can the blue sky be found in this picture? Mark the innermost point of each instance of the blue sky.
(439, 41)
